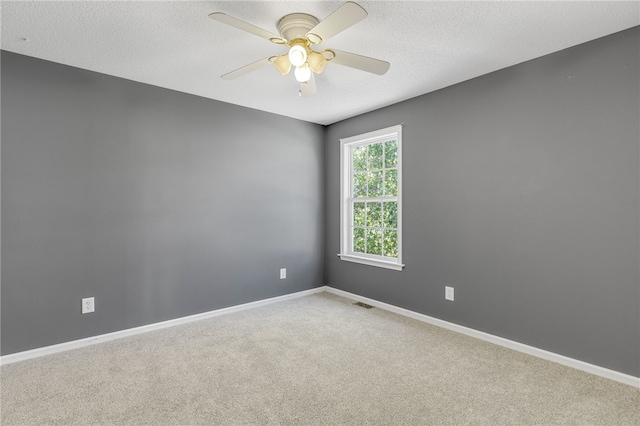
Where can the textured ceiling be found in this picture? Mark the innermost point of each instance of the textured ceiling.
(430, 45)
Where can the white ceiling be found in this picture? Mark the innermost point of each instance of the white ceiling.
(429, 44)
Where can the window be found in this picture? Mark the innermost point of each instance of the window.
(371, 198)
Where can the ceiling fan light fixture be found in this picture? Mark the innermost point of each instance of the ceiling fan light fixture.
(282, 64)
(303, 73)
(300, 32)
(297, 55)
(314, 38)
(317, 62)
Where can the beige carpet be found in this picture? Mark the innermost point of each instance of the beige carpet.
(317, 360)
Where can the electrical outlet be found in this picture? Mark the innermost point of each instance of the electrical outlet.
(448, 293)
(88, 305)
(283, 273)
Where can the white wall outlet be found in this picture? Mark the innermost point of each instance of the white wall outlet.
(88, 305)
(448, 293)
(283, 273)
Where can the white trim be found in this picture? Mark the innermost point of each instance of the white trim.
(368, 137)
(372, 262)
(75, 344)
(346, 170)
(520, 347)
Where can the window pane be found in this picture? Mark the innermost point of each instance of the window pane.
(360, 159)
(358, 240)
(375, 184)
(374, 214)
(391, 182)
(390, 243)
(390, 216)
(374, 241)
(359, 185)
(358, 214)
(370, 198)
(375, 156)
(390, 154)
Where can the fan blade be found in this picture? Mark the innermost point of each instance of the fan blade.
(342, 18)
(364, 63)
(246, 69)
(309, 88)
(244, 26)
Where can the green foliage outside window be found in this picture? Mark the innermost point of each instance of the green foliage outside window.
(390, 243)
(375, 223)
(390, 215)
(360, 159)
(391, 154)
(391, 182)
(359, 240)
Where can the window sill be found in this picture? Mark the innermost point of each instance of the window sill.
(372, 262)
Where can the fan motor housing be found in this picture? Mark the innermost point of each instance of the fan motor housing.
(296, 25)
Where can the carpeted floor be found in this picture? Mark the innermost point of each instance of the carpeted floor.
(316, 360)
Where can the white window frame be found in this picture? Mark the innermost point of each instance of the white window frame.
(346, 214)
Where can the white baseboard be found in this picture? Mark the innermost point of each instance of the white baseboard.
(75, 344)
(520, 347)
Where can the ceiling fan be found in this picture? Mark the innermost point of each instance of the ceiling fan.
(301, 32)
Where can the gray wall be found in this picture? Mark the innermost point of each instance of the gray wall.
(157, 203)
(521, 190)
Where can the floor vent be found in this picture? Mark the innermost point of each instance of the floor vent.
(363, 305)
